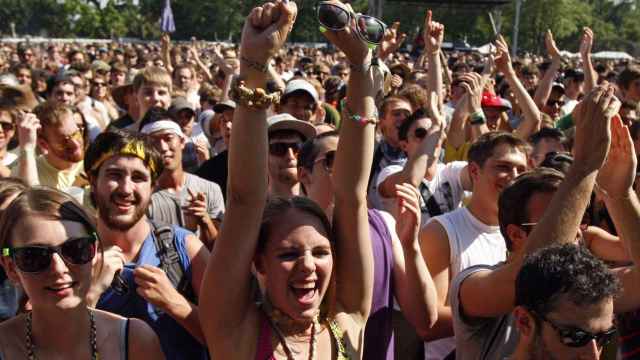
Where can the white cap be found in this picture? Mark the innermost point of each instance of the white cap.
(300, 85)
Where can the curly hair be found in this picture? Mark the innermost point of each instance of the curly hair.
(567, 269)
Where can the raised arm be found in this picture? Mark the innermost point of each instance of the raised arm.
(391, 42)
(165, 52)
(226, 283)
(590, 74)
(414, 288)
(530, 111)
(420, 165)
(544, 87)
(615, 182)
(27, 169)
(561, 219)
(351, 171)
(433, 37)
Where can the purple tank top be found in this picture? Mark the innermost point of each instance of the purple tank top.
(378, 338)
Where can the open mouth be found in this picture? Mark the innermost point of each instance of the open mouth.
(305, 294)
(123, 204)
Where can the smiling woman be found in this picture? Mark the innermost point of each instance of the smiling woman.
(48, 247)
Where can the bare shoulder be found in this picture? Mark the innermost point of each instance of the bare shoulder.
(143, 341)
(434, 241)
(12, 342)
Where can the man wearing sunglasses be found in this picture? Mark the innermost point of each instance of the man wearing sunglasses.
(572, 314)
(542, 208)
(54, 130)
(286, 135)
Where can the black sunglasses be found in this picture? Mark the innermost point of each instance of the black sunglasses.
(552, 103)
(36, 259)
(281, 148)
(327, 160)
(420, 133)
(575, 337)
(7, 126)
(337, 18)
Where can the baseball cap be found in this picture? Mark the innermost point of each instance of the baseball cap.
(99, 65)
(180, 103)
(491, 100)
(286, 121)
(300, 85)
(575, 74)
(224, 105)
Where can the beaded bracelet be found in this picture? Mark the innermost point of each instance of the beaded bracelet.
(256, 99)
(477, 118)
(359, 119)
(254, 64)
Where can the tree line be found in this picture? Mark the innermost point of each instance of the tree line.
(614, 22)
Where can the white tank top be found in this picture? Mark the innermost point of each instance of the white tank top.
(471, 242)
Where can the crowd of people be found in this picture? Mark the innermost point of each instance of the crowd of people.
(356, 201)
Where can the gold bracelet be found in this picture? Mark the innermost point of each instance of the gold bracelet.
(256, 99)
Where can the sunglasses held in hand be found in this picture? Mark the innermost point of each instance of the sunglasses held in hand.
(336, 18)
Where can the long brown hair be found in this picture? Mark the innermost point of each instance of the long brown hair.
(46, 203)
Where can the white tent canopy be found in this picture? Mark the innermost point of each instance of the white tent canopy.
(612, 55)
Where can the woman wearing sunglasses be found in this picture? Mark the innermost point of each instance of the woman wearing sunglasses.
(317, 279)
(48, 245)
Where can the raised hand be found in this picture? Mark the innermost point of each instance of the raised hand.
(586, 43)
(265, 31)
(28, 126)
(392, 40)
(408, 213)
(348, 40)
(502, 59)
(593, 127)
(552, 49)
(433, 34)
(472, 83)
(617, 174)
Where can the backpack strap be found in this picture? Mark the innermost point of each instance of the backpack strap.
(170, 259)
(378, 154)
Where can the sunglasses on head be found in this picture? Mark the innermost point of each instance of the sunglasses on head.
(336, 18)
(576, 337)
(36, 259)
(281, 148)
(327, 160)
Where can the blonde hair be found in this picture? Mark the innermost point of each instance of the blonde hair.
(152, 75)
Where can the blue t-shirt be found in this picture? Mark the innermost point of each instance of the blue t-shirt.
(176, 342)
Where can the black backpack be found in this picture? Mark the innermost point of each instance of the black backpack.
(170, 259)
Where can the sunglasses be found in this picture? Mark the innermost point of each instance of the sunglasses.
(36, 259)
(575, 337)
(336, 18)
(420, 133)
(552, 103)
(327, 160)
(280, 149)
(7, 126)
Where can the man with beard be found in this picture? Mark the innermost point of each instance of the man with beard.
(561, 319)
(286, 135)
(123, 169)
(61, 142)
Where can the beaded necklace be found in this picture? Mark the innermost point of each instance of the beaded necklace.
(275, 317)
(93, 345)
